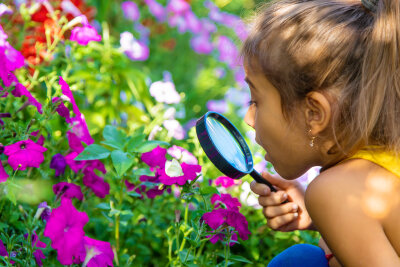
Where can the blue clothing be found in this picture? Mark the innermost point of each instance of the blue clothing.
(300, 255)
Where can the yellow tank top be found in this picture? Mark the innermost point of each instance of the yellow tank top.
(385, 159)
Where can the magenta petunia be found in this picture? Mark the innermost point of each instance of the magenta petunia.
(224, 181)
(3, 250)
(229, 201)
(65, 230)
(23, 154)
(131, 10)
(178, 6)
(156, 9)
(182, 154)
(43, 211)
(3, 174)
(58, 163)
(85, 34)
(189, 173)
(63, 111)
(215, 238)
(20, 90)
(68, 190)
(99, 187)
(155, 158)
(96, 253)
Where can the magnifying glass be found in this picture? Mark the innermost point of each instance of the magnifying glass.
(226, 147)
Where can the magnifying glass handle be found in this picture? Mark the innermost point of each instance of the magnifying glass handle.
(261, 180)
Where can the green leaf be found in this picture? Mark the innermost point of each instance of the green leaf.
(134, 194)
(207, 190)
(239, 258)
(182, 256)
(93, 152)
(103, 206)
(149, 145)
(135, 141)
(114, 137)
(122, 161)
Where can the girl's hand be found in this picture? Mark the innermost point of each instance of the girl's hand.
(284, 217)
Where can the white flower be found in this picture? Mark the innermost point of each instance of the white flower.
(174, 129)
(165, 92)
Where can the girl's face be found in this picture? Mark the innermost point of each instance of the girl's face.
(286, 145)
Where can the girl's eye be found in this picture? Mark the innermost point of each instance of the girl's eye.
(251, 102)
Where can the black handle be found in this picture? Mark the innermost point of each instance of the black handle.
(259, 179)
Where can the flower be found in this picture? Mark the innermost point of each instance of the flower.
(131, 10)
(174, 129)
(133, 49)
(228, 51)
(5, 10)
(24, 154)
(68, 190)
(58, 163)
(165, 92)
(201, 44)
(220, 106)
(3, 250)
(214, 239)
(178, 6)
(155, 158)
(96, 253)
(84, 35)
(182, 154)
(189, 173)
(43, 211)
(230, 202)
(99, 187)
(224, 181)
(65, 230)
(156, 9)
(36, 243)
(20, 90)
(3, 174)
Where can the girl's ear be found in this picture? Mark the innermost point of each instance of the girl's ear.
(317, 112)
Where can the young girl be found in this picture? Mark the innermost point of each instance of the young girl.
(324, 77)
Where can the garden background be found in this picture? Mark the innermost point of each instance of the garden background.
(100, 163)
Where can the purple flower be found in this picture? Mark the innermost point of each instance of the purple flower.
(9, 56)
(3, 174)
(156, 9)
(24, 154)
(65, 230)
(84, 35)
(133, 49)
(99, 187)
(201, 44)
(164, 92)
(230, 202)
(3, 250)
(43, 211)
(208, 26)
(193, 23)
(36, 243)
(182, 154)
(178, 6)
(68, 190)
(69, 7)
(189, 173)
(58, 163)
(228, 51)
(174, 129)
(217, 105)
(20, 90)
(224, 181)
(63, 111)
(5, 10)
(131, 10)
(155, 158)
(96, 253)
(74, 142)
(214, 239)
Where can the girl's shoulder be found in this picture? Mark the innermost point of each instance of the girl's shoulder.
(351, 204)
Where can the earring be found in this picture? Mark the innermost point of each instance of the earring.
(312, 139)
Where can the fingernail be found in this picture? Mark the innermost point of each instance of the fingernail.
(285, 196)
(296, 215)
(295, 207)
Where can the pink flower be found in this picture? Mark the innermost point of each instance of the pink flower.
(65, 230)
(96, 253)
(84, 35)
(201, 44)
(131, 10)
(133, 49)
(182, 154)
(20, 90)
(68, 190)
(178, 6)
(224, 181)
(99, 187)
(24, 154)
(189, 173)
(214, 239)
(156, 9)
(228, 51)
(174, 129)
(155, 158)
(230, 202)
(58, 163)
(3, 174)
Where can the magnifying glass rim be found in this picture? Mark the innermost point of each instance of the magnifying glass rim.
(236, 134)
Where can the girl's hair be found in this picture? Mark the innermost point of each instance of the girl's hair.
(343, 50)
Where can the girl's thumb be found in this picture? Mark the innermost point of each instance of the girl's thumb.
(276, 180)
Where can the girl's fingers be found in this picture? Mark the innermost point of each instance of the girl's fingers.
(275, 211)
(260, 189)
(273, 199)
(277, 222)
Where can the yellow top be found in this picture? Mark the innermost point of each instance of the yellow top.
(385, 159)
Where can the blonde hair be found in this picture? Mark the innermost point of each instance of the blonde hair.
(341, 49)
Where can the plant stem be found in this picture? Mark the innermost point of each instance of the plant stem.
(227, 249)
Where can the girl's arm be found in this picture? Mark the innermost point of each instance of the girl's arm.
(335, 202)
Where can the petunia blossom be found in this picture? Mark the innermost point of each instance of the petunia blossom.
(134, 49)
(131, 10)
(228, 52)
(189, 173)
(156, 9)
(23, 154)
(85, 34)
(20, 90)
(201, 44)
(182, 154)
(36, 243)
(215, 238)
(96, 253)
(155, 158)
(58, 163)
(224, 181)
(43, 211)
(220, 106)
(65, 230)
(3, 173)
(174, 129)
(165, 92)
(68, 190)
(230, 202)
(5, 10)
(99, 187)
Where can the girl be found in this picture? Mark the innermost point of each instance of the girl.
(324, 77)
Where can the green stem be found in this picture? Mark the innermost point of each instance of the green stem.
(227, 249)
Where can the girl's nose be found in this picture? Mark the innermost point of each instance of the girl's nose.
(249, 117)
